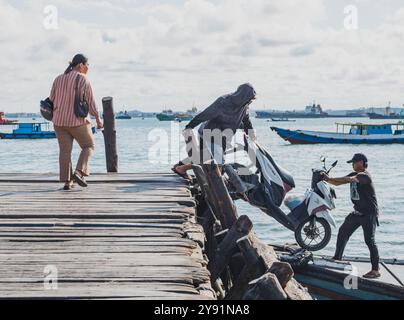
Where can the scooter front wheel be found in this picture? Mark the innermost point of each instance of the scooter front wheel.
(313, 234)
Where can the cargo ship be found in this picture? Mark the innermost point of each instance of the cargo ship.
(313, 111)
(387, 115)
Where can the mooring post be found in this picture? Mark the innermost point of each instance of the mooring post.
(110, 134)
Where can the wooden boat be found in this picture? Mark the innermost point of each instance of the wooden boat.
(31, 130)
(359, 133)
(327, 279)
(4, 121)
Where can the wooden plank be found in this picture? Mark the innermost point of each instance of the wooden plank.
(94, 178)
(127, 236)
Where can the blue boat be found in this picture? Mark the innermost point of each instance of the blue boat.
(30, 131)
(359, 133)
(123, 116)
(327, 279)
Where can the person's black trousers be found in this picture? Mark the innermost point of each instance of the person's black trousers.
(350, 225)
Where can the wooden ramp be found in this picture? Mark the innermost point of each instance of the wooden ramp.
(127, 236)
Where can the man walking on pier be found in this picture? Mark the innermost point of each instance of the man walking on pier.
(365, 214)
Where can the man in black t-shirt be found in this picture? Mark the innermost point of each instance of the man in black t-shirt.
(365, 214)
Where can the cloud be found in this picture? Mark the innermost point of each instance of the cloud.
(153, 54)
(302, 51)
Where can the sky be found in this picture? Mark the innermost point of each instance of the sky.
(155, 54)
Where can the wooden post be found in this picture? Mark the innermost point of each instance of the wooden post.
(110, 134)
(253, 269)
(226, 210)
(228, 246)
(265, 288)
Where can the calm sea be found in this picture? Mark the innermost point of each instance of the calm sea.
(152, 146)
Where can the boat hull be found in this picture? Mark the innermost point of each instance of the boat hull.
(173, 117)
(10, 136)
(290, 115)
(376, 116)
(326, 284)
(165, 117)
(313, 137)
(328, 279)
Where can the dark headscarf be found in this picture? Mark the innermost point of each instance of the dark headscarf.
(227, 112)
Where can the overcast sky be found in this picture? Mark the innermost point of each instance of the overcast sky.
(155, 54)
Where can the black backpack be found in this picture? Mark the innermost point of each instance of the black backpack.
(47, 109)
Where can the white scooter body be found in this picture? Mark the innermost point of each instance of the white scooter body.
(318, 206)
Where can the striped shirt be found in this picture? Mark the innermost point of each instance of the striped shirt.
(63, 94)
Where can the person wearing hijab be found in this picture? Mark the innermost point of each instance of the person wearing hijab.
(227, 114)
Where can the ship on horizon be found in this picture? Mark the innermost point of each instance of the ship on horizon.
(388, 114)
(311, 112)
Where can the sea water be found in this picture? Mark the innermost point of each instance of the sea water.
(152, 146)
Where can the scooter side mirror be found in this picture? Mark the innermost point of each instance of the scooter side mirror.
(322, 159)
(334, 164)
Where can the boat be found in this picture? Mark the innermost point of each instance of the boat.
(123, 116)
(31, 130)
(359, 133)
(4, 121)
(282, 120)
(311, 112)
(183, 117)
(327, 279)
(169, 115)
(388, 114)
(378, 116)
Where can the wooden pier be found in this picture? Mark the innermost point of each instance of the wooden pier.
(126, 236)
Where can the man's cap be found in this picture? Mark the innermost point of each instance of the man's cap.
(358, 157)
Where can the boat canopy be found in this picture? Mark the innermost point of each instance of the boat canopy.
(370, 128)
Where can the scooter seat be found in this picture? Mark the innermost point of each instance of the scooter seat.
(284, 174)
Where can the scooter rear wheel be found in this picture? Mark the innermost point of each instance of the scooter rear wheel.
(313, 234)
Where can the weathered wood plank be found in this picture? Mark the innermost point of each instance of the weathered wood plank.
(127, 236)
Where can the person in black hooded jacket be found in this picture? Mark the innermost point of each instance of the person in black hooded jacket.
(227, 114)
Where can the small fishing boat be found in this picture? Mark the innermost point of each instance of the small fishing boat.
(282, 120)
(123, 116)
(359, 133)
(327, 279)
(4, 121)
(183, 117)
(169, 115)
(30, 130)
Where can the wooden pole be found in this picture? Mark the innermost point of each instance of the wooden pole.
(227, 212)
(228, 246)
(110, 134)
(265, 288)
